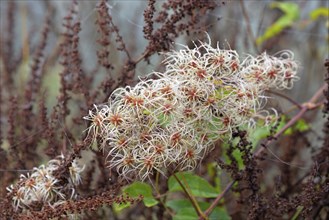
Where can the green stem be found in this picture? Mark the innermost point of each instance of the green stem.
(192, 199)
(159, 196)
(298, 211)
(157, 182)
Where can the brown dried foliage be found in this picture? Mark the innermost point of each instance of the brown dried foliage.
(33, 130)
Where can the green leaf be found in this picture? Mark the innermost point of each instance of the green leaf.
(301, 126)
(236, 153)
(185, 211)
(146, 112)
(118, 207)
(291, 14)
(214, 173)
(164, 120)
(316, 13)
(260, 133)
(198, 186)
(138, 188)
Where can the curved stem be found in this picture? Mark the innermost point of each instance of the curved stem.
(286, 97)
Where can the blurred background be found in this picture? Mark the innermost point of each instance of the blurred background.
(250, 27)
(240, 25)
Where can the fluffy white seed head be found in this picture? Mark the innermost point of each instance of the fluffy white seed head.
(173, 121)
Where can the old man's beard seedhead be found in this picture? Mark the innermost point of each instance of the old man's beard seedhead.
(41, 186)
(175, 119)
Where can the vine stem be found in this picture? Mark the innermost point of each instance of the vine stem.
(307, 106)
(249, 29)
(287, 98)
(195, 204)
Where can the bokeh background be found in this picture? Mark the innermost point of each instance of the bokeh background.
(232, 24)
(239, 25)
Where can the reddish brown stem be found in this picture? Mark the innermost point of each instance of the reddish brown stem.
(287, 98)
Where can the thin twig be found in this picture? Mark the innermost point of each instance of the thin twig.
(195, 204)
(216, 201)
(246, 17)
(287, 98)
(140, 58)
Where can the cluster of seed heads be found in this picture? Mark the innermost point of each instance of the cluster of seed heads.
(41, 186)
(174, 120)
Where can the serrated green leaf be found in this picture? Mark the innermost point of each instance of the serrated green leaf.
(198, 186)
(185, 211)
(316, 13)
(291, 14)
(138, 188)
